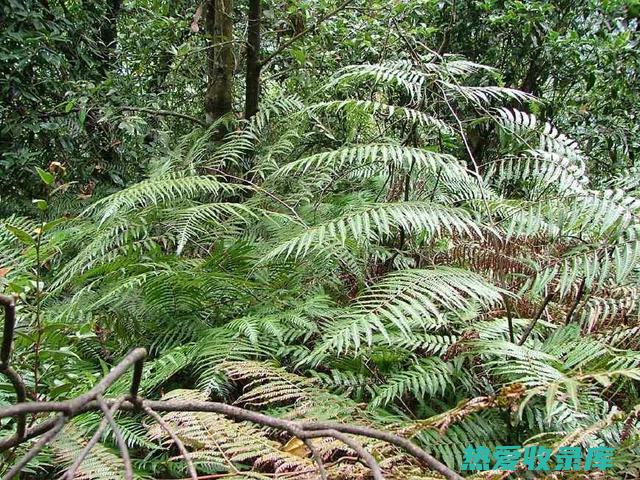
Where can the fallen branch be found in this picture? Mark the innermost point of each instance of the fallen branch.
(93, 400)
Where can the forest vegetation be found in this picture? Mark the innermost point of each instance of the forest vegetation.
(416, 216)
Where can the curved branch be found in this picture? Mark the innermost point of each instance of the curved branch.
(176, 440)
(396, 440)
(317, 458)
(354, 445)
(122, 445)
(92, 443)
(39, 445)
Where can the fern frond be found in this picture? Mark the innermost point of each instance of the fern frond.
(218, 442)
(268, 384)
(159, 190)
(102, 463)
(377, 221)
(485, 95)
(424, 379)
(383, 110)
(404, 301)
(191, 221)
(379, 154)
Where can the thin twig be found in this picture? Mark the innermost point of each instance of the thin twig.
(92, 443)
(316, 458)
(122, 445)
(137, 378)
(388, 437)
(581, 290)
(541, 310)
(509, 320)
(183, 451)
(352, 443)
(108, 380)
(39, 445)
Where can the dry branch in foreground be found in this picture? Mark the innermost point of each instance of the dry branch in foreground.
(47, 430)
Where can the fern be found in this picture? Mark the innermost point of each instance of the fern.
(156, 191)
(405, 301)
(375, 222)
(427, 378)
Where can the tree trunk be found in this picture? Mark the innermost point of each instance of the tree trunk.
(252, 92)
(218, 19)
(109, 36)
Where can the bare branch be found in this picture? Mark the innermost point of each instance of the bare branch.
(354, 445)
(137, 378)
(39, 445)
(176, 440)
(92, 443)
(396, 440)
(115, 373)
(541, 310)
(316, 458)
(122, 445)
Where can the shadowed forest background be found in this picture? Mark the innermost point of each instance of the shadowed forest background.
(419, 216)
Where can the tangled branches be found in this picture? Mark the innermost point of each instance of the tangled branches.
(46, 431)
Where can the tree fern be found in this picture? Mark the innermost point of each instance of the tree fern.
(406, 301)
(427, 378)
(375, 222)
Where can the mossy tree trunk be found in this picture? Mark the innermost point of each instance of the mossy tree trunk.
(252, 93)
(218, 19)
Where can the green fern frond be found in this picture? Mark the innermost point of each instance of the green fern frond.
(375, 222)
(405, 301)
(102, 463)
(192, 221)
(424, 379)
(159, 190)
(379, 155)
(385, 111)
(486, 95)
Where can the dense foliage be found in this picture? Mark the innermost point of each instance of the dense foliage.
(403, 235)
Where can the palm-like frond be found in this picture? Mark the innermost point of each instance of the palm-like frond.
(405, 301)
(375, 222)
(158, 190)
(383, 110)
(427, 378)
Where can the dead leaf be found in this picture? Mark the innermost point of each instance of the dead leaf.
(296, 447)
(195, 28)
